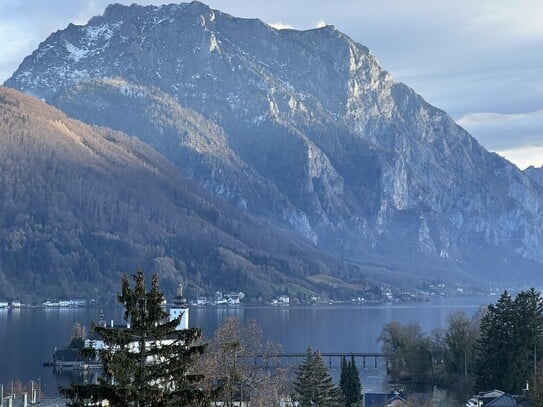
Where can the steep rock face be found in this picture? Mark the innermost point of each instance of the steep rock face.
(308, 130)
(79, 205)
(536, 174)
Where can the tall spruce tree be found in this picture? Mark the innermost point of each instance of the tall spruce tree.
(313, 384)
(349, 383)
(146, 364)
(509, 347)
(529, 334)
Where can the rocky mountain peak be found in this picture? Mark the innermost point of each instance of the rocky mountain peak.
(315, 135)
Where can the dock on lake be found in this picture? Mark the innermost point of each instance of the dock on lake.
(365, 356)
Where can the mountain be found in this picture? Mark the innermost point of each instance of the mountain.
(303, 129)
(536, 174)
(81, 205)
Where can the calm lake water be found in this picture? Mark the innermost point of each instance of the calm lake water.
(28, 337)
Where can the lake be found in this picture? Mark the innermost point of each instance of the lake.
(28, 336)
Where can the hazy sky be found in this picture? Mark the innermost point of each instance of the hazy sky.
(481, 61)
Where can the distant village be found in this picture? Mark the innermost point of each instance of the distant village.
(384, 295)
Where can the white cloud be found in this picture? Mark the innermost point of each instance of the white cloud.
(281, 26)
(320, 23)
(17, 39)
(505, 131)
(88, 9)
(517, 137)
(524, 157)
(499, 20)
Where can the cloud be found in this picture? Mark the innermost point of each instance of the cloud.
(517, 137)
(505, 131)
(524, 157)
(281, 26)
(15, 37)
(320, 23)
(499, 21)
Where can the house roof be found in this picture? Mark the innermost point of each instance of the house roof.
(381, 399)
(505, 400)
(495, 398)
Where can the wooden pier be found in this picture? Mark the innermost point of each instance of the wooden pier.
(372, 357)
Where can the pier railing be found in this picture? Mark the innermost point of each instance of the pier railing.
(364, 356)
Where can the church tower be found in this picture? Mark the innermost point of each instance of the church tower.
(179, 307)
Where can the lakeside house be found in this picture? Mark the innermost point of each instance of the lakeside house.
(64, 303)
(395, 399)
(218, 298)
(282, 300)
(178, 308)
(496, 398)
(201, 301)
(384, 400)
(4, 304)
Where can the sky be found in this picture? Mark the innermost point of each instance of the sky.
(480, 61)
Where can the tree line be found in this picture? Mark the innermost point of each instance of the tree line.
(151, 363)
(499, 347)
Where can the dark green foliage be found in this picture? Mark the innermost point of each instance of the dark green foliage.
(511, 342)
(536, 386)
(349, 383)
(149, 363)
(313, 385)
(76, 343)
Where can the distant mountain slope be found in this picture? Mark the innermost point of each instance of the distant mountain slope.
(198, 146)
(80, 205)
(301, 128)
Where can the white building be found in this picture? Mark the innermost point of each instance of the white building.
(284, 300)
(179, 307)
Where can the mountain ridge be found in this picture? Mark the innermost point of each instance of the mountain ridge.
(354, 161)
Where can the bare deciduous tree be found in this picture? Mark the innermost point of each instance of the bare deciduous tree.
(240, 365)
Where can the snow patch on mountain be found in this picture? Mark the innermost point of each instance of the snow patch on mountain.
(75, 53)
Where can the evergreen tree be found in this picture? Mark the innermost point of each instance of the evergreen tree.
(495, 345)
(344, 379)
(148, 363)
(356, 393)
(535, 394)
(349, 383)
(511, 335)
(529, 335)
(313, 385)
